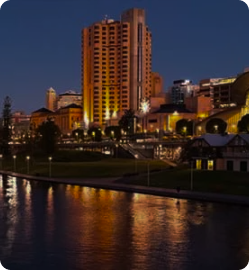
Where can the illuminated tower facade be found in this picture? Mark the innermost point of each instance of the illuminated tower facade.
(51, 99)
(116, 66)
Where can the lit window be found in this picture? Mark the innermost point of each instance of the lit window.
(198, 164)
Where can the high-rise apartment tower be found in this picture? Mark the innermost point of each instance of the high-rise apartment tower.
(116, 66)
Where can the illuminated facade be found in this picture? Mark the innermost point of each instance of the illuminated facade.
(116, 66)
(167, 116)
(181, 90)
(67, 98)
(219, 91)
(51, 99)
(67, 118)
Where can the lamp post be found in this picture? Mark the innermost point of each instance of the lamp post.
(77, 138)
(136, 157)
(116, 148)
(145, 134)
(112, 134)
(14, 160)
(85, 135)
(1, 161)
(157, 134)
(216, 128)
(184, 131)
(50, 161)
(93, 133)
(148, 173)
(191, 175)
(199, 128)
(27, 158)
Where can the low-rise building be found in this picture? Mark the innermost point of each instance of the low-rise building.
(165, 118)
(220, 152)
(67, 118)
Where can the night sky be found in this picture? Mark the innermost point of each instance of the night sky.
(40, 42)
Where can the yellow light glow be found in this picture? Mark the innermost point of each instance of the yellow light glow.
(198, 164)
(210, 165)
(145, 105)
(114, 115)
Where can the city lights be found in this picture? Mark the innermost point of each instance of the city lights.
(145, 105)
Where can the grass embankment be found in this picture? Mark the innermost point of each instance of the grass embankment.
(223, 182)
(79, 164)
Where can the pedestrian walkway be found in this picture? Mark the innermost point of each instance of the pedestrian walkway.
(110, 183)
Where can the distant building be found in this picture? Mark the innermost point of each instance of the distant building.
(218, 89)
(200, 105)
(55, 102)
(51, 99)
(20, 123)
(182, 89)
(67, 98)
(165, 118)
(67, 118)
(156, 84)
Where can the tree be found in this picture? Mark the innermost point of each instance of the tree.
(127, 121)
(216, 125)
(243, 124)
(184, 127)
(95, 133)
(49, 134)
(113, 132)
(6, 126)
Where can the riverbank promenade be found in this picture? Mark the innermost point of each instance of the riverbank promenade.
(116, 184)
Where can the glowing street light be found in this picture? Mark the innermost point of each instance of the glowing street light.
(1, 161)
(50, 161)
(14, 160)
(185, 131)
(27, 158)
(93, 134)
(216, 128)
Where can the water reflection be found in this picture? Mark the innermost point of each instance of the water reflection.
(9, 201)
(49, 226)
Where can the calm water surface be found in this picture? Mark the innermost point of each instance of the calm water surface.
(50, 226)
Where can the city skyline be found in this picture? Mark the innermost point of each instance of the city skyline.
(40, 44)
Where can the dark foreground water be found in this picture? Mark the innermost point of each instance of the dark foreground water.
(44, 226)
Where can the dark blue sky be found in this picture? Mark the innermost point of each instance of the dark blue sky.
(40, 42)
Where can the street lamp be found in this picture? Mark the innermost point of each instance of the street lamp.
(148, 173)
(93, 134)
(112, 134)
(136, 157)
(27, 158)
(14, 160)
(50, 161)
(184, 131)
(216, 128)
(145, 134)
(191, 174)
(1, 161)
(76, 134)
(116, 150)
(199, 128)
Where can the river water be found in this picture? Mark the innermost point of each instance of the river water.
(56, 226)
